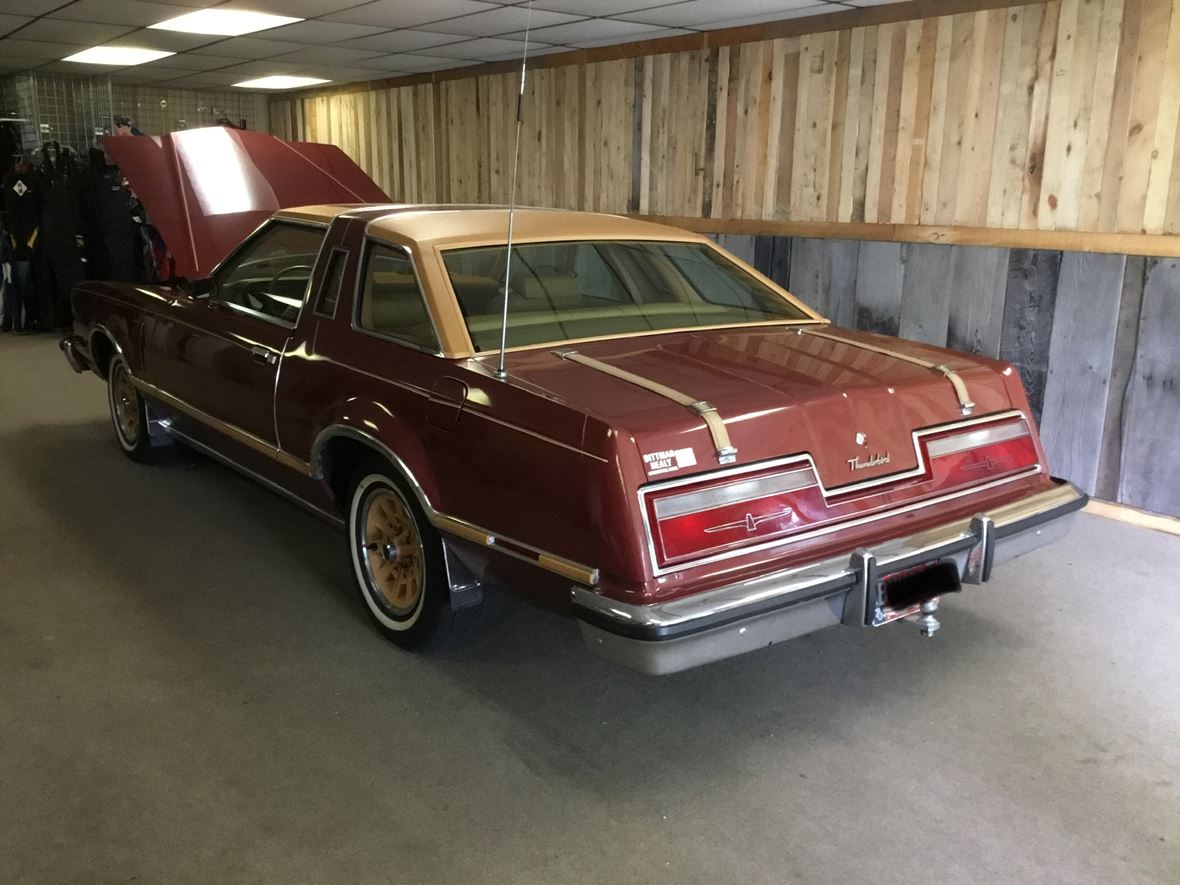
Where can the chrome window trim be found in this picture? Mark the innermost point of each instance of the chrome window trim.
(366, 248)
(319, 298)
(806, 458)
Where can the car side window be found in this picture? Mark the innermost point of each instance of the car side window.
(270, 276)
(391, 302)
(330, 287)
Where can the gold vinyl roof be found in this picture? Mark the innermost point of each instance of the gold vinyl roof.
(443, 226)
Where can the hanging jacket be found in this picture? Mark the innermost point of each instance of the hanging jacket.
(23, 192)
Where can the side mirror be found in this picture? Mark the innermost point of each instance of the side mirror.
(201, 289)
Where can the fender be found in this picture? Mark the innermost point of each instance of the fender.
(374, 425)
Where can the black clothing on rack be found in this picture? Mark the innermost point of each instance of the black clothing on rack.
(23, 192)
(61, 249)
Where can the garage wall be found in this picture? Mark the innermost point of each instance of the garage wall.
(1034, 116)
(1093, 336)
(938, 170)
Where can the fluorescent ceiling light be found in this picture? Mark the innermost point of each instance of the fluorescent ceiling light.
(123, 56)
(224, 22)
(281, 82)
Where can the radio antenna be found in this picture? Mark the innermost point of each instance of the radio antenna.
(501, 372)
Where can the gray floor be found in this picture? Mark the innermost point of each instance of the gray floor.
(189, 693)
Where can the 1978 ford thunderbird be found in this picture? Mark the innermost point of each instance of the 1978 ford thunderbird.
(681, 454)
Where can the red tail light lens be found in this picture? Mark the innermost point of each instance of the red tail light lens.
(699, 518)
(694, 518)
(968, 457)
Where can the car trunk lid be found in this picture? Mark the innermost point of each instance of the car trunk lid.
(780, 391)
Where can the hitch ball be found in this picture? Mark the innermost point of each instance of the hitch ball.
(927, 621)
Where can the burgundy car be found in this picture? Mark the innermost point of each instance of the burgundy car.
(680, 454)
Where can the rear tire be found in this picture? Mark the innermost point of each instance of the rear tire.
(128, 412)
(397, 560)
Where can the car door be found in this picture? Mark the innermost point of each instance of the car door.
(219, 355)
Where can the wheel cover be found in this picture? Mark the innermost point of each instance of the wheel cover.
(391, 552)
(125, 399)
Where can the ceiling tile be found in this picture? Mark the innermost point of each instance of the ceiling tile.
(695, 13)
(483, 48)
(119, 12)
(74, 69)
(148, 74)
(504, 20)
(403, 41)
(599, 7)
(777, 15)
(657, 34)
(319, 32)
(11, 63)
(264, 68)
(252, 47)
(591, 29)
(870, 2)
(37, 49)
(210, 78)
(337, 73)
(9, 23)
(32, 7)
(56, 30)
(296, 8)
(382, 64)
(408, 13)
(413, 63)
(195, 61)
(331, 55)
(173, 41)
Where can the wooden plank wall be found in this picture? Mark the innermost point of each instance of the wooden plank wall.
(1094, 338)
(1045, 116)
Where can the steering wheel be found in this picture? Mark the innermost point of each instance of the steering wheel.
(282, 273)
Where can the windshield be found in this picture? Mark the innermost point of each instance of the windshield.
(566, 291)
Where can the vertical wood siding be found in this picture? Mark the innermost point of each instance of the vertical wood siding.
(1063, 115)
(1093, 337)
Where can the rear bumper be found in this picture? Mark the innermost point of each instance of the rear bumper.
(683, 633)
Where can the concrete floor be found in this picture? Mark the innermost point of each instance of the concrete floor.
(190, 693)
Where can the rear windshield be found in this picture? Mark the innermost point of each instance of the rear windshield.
(586, 289)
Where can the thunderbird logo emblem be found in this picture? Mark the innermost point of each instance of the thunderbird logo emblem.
(874, 460)
(988, 464)
(751, 522)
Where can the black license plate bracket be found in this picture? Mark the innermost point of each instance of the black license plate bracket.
(903, 590)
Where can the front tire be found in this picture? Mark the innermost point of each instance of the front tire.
(128, 412)
(397, 560)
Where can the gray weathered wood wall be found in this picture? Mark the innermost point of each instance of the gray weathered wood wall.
(1096, 339)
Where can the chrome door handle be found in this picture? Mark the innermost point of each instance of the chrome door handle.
(263, 355)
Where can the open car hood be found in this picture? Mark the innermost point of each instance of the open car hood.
(207, 189)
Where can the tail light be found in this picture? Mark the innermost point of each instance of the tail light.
(694, 518)
(966, 457)
(709, 516)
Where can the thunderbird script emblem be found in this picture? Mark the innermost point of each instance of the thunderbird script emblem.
(874, 460)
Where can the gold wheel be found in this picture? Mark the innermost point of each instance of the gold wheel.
(125, 399)
(391, 551)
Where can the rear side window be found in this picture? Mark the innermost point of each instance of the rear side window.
(391, 302)
(330, 288)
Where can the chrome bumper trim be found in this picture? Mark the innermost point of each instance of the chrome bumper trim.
(843, 584)
(70, 346)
